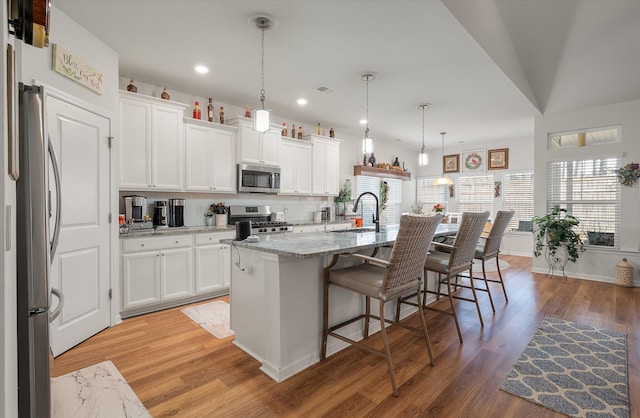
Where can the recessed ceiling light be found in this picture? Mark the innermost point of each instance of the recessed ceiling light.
(201, 69)
(363, 121)
(302, 101)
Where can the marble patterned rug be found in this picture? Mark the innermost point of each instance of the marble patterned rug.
(574, 369)
(212, 316)
(97, 391)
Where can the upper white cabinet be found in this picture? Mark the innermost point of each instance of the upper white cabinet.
(255, 147)
(325, 166)
(209, 157)
(295, 167)
(151, 143)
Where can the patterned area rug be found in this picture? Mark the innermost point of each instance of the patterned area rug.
(213, 316)
(97, 391)
(574, 369)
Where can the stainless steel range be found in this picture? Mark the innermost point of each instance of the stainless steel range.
(260, 217)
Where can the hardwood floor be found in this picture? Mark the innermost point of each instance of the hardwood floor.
(177, 368)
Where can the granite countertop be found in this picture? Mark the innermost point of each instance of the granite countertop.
(315, 244)
(163, 232)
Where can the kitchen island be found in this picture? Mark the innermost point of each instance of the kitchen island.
(276, 295)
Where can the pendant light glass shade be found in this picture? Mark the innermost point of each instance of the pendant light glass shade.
(367, 143)
(443, 181)
(261, 116)
(423, 158)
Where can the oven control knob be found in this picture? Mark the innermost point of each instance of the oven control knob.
(273, 229)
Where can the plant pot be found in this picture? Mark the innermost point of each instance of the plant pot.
(221, 219)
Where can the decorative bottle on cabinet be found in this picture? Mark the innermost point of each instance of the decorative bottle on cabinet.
(247, 111)
(284, 129)
(293, 131)
(210, 110)
(165, 94)
(222, 114)
(331, 133)
(318, 128)
(300, 132)
(196, 111)
(132, 87)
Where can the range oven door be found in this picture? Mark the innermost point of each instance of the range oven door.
(258, 178)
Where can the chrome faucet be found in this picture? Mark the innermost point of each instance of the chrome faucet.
(376, 219)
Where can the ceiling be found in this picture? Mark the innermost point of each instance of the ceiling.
(487, 67)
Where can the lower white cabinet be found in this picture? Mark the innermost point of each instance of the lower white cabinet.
(213, 265)
(163, 271)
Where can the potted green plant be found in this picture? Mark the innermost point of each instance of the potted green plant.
(557, 229)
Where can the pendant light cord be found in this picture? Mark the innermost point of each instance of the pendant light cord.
(422, 151)
(262, 68)
(442, 133)
(366, 131)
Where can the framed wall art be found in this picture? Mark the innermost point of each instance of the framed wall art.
(473, 161)
(451, 163)
(499, 159)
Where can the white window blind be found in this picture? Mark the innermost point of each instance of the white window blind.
(428, 195)
(475, 194)
(590, 191)
(391, 214)
(517, 195)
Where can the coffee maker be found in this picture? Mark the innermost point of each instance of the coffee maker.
(135, 208)
(176, 212)
(160, 214)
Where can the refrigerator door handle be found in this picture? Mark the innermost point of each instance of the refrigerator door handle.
(54, 314)
(56, 175)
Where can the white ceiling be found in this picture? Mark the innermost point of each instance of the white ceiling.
(487, 67)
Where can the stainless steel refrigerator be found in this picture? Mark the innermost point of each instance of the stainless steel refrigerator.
(35, 248)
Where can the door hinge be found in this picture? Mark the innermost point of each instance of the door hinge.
(110, 293)
(109, 217)
(110, 141)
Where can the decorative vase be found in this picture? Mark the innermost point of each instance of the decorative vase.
(165, 94)
(208, 220)
(221, 219)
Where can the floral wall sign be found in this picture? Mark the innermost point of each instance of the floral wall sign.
(628, 174)
(69, 65)
(473, 161)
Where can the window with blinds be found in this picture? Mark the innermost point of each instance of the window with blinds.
(517, 195)
(428, 195)
(590, 191)
(390, 216)
(475, 194)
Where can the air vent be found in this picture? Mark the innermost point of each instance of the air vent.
(325, 90)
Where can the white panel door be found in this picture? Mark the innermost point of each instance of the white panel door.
(271, 147)
(287, 168)
(167, 133)
(250, 144)
(81, 266)
(303, 168)
(140, 279)
(332, 176)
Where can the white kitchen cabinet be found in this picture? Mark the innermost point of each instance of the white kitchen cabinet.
(295, 167)
(255, 147)
(338, 226)
(151, 143)
(209, 157)
(308, 228)
(156, 269)
(325, 165)
(213, 262)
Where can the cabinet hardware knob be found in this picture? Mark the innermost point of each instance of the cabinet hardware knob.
(176, 242)
(142, 245)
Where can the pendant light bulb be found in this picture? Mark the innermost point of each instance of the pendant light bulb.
(443, 181)
(367, 143)
(423, 158)
(261, 116)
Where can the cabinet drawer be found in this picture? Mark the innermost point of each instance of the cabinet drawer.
(338, 227)
(213, 237)
(160, 243)
(308, 228)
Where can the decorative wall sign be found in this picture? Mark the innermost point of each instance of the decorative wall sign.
(70, 66)
(473, 161)
(451, 163)
(499, 159)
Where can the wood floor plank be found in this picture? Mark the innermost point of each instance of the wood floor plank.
(178, 369)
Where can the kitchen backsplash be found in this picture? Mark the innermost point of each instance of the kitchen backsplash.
(296, 209)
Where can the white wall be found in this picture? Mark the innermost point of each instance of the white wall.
(596, 263)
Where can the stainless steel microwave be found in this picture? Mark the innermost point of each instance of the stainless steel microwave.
(255, 178)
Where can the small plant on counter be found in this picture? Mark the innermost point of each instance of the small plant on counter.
(220, 208)
(417, 210)
(438, 207)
